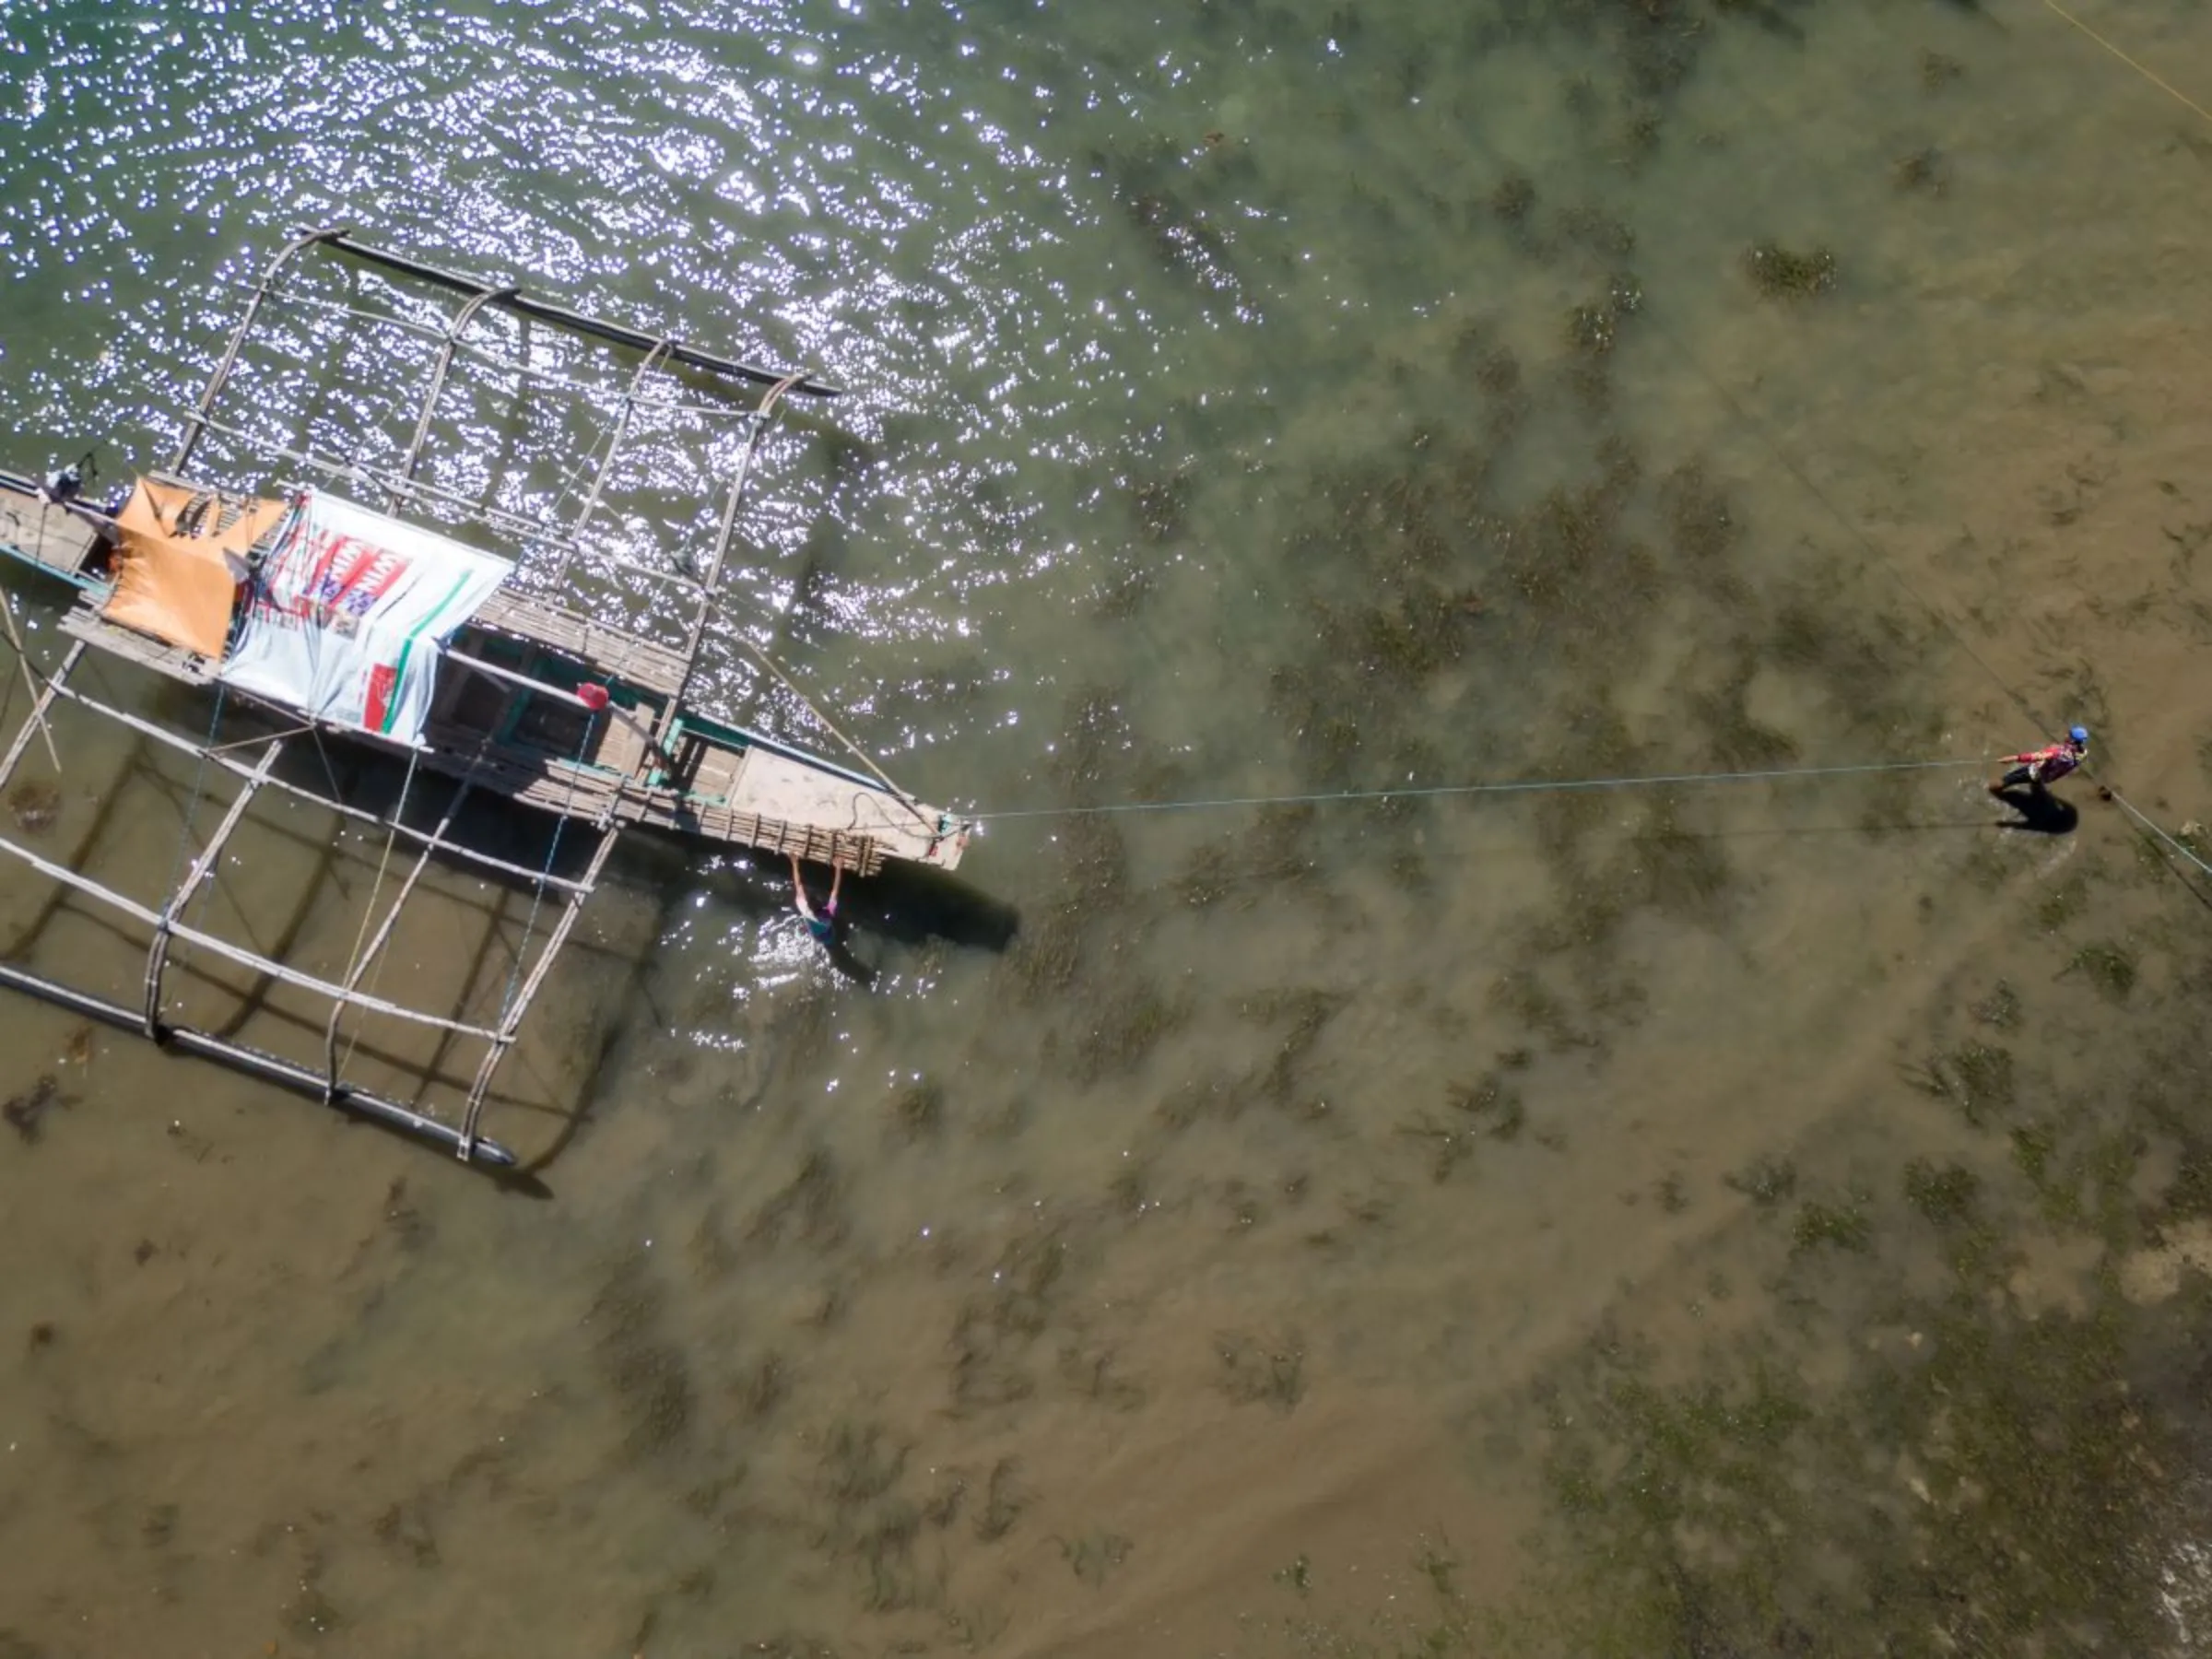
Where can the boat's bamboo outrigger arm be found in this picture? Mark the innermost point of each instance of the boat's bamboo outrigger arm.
(511, 1022)
(359, 1103)
(607, 797)
(710, 579)
(37, 721)
(560, 316)
(646, 365)
(185, 746)
(710, 582)
(216, 945)
(262, 290)
(399, 483)
(203, 868)
(446, 347)
(383, 932)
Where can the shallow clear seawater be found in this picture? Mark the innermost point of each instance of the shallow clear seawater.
(1767, 1216)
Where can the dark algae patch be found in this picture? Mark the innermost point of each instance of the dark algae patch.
(1972, 1420)
(1766, 1183)
(1945, 1195)
(1833, 1226)
(2110, 966)
(1983, 1485)
(1781, 273)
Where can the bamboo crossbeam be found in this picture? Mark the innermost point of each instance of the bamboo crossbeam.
(609, 555)
(511, 1021)
(524, 305)
(239, 954)
(339, 307)
(30, 680)
(254, 1062)
(38, 712)
(712, 578)
(604, 397)
(185, 746)
(157, 955)
(353, 472)
(376, 946)
(199, 421)
(570, 546)
(462, 318)
(650, 361)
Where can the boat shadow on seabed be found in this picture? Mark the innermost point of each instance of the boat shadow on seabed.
(907, 904)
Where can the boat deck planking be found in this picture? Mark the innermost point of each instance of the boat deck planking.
(83, 620)
(608, 651)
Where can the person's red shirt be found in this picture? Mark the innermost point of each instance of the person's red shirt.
(2049, 765)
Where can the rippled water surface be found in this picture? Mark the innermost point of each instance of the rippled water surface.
(1771, 1216)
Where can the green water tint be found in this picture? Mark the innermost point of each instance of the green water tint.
(1268, 399)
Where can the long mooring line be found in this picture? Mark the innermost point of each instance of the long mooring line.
(1515, 786)
(2144, 70)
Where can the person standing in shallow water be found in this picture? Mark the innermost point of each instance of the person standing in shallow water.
(824, 925)
(2037, 767)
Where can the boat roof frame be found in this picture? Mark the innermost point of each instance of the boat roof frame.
(566, 896)
(400, 484)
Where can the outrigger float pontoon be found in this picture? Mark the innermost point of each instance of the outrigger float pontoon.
(364, 625)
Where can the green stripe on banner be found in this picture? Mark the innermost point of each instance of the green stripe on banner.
(406, 648)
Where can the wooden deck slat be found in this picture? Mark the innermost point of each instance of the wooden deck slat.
(626, 656)
(862, 854)
(772, 787)
(84, 621)
(620, 748)
(554, 784)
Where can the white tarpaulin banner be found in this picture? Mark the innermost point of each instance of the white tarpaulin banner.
(350, 615)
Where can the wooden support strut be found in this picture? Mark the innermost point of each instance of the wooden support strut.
(512, 1020)
(198, 423)
(376, 945)
(157, 955)
(454, 331)
(651, 360)
(710, 579)
(216, 945)
(184, 745)
(38, 712)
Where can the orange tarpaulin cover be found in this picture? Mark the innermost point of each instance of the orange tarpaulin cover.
(172, 579)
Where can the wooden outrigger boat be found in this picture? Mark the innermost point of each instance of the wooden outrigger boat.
(370, 626)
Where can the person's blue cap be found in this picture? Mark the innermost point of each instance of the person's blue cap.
(2079, 735)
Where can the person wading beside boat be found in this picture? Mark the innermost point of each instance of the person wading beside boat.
(824, 925)
(2039, 768)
